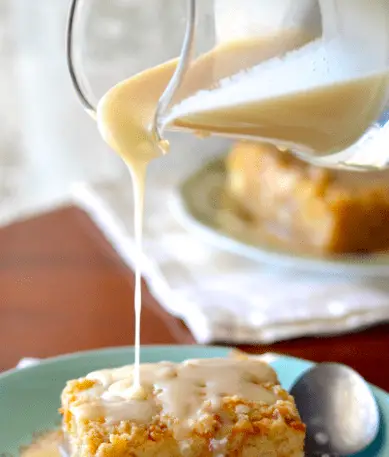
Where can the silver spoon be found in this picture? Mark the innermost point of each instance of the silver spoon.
(339, 409)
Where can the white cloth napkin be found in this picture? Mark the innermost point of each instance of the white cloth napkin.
(221, 296)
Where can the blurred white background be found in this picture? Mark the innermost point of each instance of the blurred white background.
(47, 142)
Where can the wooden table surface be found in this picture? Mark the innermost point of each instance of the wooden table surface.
(64, 289)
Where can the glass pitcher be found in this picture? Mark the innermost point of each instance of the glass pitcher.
(310, 76)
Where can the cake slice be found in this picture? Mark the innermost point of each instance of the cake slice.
(319, 210)
(214, 407)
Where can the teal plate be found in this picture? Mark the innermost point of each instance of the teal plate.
(29, 398)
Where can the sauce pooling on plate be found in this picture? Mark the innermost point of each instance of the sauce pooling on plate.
(47, 445)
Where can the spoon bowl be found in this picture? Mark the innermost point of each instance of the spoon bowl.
(338, 408)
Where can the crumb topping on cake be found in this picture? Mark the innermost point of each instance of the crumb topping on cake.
(195, 408)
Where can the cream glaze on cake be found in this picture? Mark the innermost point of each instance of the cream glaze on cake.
(177, 390)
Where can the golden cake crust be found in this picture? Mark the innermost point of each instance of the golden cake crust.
(243, 427)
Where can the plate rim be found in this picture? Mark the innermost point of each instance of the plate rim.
(69, 356)
(150, 348)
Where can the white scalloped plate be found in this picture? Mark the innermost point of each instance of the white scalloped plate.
(197, 206)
